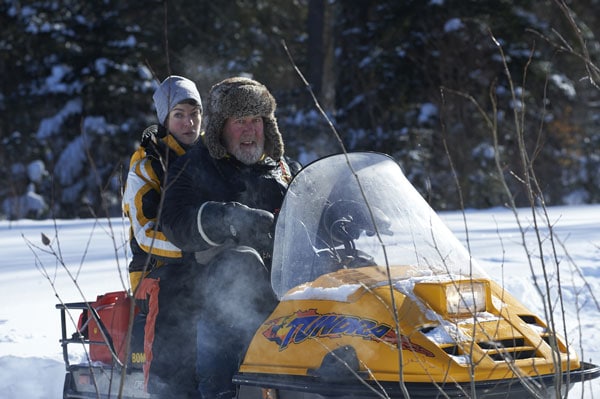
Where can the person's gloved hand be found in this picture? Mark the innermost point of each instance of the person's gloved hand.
(249, 226)
(151, 134)
(219, 221)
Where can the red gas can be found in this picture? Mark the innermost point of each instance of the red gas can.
(113, 308)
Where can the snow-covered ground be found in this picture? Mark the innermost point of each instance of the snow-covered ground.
(31, 282)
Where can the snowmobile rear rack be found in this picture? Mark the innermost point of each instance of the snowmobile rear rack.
(81, 336)
(100, 376)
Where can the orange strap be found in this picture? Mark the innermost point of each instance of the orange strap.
(148, 290)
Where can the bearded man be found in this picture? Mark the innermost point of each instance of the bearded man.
(221, 200)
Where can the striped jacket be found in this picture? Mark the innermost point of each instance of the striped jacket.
(141, 203)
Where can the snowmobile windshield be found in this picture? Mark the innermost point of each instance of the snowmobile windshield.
(355, 210)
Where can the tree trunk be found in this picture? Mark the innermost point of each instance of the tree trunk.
(321, 60)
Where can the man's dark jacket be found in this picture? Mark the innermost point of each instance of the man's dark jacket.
(196, 177)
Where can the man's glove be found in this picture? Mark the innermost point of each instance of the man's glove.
(220, 221)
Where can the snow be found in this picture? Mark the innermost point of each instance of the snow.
(427, 112)
(98, 125)
(51, 126)
(565, 84)
(94, 253)
(340, 294)
(453, 24)
(36, 170)
(29, 204)
(54, 82)
(71, 162)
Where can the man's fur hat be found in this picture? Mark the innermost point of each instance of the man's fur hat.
(238, 97)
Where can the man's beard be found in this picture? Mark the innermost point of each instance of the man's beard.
(249, 156)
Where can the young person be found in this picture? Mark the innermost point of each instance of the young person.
(179, 110)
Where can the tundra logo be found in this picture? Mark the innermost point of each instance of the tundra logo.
(303, 325)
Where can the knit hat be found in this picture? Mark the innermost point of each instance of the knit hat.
(171, 92)
(238, 97)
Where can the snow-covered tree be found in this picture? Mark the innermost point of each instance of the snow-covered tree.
(81, 79)
(419, 80)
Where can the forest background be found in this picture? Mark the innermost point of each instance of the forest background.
(452, 89)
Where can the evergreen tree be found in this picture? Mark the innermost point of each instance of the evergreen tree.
(82, 81)
(418, 80)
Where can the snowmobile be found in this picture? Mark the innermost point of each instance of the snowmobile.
(377, 299)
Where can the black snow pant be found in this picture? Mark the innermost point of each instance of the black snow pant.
(236, 299)
(172, 368)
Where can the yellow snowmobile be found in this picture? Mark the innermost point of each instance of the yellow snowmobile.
(377, 299)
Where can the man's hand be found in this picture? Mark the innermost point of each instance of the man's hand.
(219, 221)
(249, 226)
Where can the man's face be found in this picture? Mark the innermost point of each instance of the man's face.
(183, 122)
(244, 138)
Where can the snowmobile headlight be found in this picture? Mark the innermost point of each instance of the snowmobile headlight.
(465, 297)
(455, 298)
